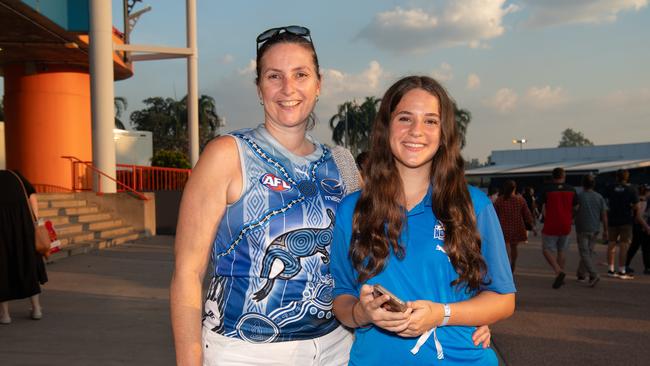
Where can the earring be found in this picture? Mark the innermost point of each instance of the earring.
(261, 102)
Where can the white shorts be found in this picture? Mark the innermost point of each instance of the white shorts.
(331, 349)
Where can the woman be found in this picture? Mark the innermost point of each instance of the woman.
(260, 203)
(423, 234)
(514, 217)
(21, 267)
(640, 231)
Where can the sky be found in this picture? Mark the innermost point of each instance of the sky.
(524, 69)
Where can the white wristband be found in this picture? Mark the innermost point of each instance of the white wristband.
(445, 318)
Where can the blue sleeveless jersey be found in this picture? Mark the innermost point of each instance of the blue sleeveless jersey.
(271, 280)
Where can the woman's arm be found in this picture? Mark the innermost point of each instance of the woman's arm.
(486, 308)
(638, 215)
(215, 181)
(33, 201)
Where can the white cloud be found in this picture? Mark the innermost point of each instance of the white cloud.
(556, 12)
(249, 70)
(473, 82)
(504, 100)
(443, 73)
(546, 97)
(227, 59)
(338, 84)
(460, 23)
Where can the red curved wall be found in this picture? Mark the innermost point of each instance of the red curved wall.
(47, 115)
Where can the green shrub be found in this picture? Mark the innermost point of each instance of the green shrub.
(170, 159)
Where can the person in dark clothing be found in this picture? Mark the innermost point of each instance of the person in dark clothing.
(622, 201)
(641, 232)
(21, 267)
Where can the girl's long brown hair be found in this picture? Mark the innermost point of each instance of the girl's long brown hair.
(379, 215)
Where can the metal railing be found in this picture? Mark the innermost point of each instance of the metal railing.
(132, 178)
(82, 178)
(150, 178)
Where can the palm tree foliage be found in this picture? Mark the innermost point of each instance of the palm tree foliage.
(166, 118)
(120, 105)
(463, 117)
(359, 118)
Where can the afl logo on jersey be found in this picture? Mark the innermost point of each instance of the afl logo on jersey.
(274, 183)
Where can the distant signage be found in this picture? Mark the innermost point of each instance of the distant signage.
(71, 15)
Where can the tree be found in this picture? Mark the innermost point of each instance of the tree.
(166, 118)
(463, 117)
(170, 159)
(120, 105)
(571, 138)
(359, 118)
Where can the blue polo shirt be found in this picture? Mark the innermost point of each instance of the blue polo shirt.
(425, 273)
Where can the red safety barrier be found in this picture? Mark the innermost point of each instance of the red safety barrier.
(133, 178)
(151, 178)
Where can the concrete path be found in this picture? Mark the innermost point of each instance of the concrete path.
(575, 325)
(110, 307)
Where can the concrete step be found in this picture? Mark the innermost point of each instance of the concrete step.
(70, 228)
(94, 244)
(92, 217)
(55, 196)
(67, 203)
(70, 250)
(103, 224)
(57, 220)
(89, 209)
(75, 238)
(48, 212)
(121, 230)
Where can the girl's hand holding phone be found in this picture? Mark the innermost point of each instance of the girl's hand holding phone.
(370, 310)
(425, 316)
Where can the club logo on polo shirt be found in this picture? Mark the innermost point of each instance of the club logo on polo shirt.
(439, 232)
(274, 183)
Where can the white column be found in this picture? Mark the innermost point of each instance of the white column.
(102, 92)
(192, 84)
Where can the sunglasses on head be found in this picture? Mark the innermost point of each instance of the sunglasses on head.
(293, 29)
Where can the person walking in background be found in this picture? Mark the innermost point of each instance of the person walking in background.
(22, 270)
(641, 232)
(592, 210)
(558, 201)
(622, 201)
(531, 202)
(514, 217)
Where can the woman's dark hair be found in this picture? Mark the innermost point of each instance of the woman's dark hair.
(508, 188)
(379, 215)
(287, 37)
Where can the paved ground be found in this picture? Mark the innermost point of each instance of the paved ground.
(575, 325)
(107, 307)
(110, 307)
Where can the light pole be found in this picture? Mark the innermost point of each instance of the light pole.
(521, 143)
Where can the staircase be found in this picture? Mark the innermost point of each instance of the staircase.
(82, 226)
